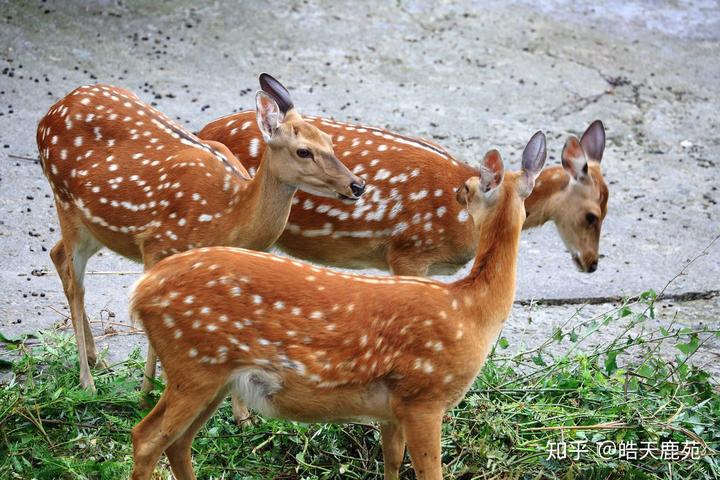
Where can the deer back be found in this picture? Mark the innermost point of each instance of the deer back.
(409, 204)
(133, 175)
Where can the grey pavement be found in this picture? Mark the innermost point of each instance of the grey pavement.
(470, 76)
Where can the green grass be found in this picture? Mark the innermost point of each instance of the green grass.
(620, 391)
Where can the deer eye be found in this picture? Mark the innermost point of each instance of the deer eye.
(304, 153)
(591, 218)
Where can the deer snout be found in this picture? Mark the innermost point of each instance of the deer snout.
(358, 188)
(587, 262)
(353, 189)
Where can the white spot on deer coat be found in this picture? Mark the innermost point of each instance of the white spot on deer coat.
(418, 195)
(382, 174)
(399, 228)
(396, 209)
(254, 147)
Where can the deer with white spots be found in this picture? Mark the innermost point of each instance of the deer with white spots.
(126, 177)
(306, 343)
(407, 222)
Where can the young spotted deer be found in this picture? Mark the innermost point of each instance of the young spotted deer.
(128, 178)
(310, 344)
(407, 221)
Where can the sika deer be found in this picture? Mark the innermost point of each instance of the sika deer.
(408, 222)
(306, 343)
(128, 178)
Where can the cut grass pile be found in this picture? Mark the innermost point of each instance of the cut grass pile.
(602, 404)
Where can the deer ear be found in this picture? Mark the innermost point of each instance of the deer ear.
(574, 160)
(533, 161)
(492, 171)
(593, 141)
(277, 91)
(268, 115)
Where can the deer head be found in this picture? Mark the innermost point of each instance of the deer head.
(300, 154)
(480, 194)
(580, 227)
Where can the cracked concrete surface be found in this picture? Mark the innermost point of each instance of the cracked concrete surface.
(470, 76)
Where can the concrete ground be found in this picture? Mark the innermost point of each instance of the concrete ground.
(471, 76)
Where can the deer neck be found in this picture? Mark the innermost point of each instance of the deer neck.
(263, 209)
(486, 295)
(542, 204)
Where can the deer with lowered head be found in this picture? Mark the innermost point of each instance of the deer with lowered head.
(301, 342)
(408, 222)
(126, 177)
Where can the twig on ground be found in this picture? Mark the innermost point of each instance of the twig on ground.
(41, 272)
(23, 157)
(134, 331)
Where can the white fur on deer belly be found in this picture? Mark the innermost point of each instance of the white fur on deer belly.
(256, 387)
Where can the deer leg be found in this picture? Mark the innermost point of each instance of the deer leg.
(144, 437)
(149, 259)
(393, 448)
(172, 417)
(240, 411)
(90, 347)
(71, 269)
(422, 431)
(59, 258)
(83, 334)
(179, 453)
(148, 373)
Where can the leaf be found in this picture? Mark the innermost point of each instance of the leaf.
(57, 394)
(503, 342)
(690, 347)
(610, 363)
(646, 371)
(648, 295)
(13, 341)
(538, 360)
(682, 370)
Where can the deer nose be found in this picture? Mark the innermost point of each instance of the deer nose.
(357, 188)
(592, 267)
